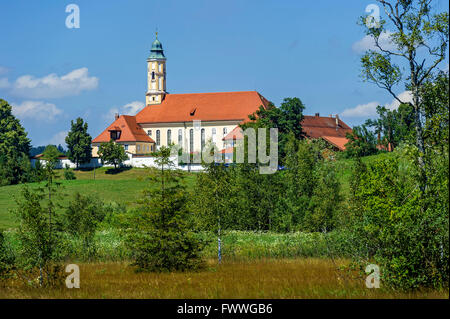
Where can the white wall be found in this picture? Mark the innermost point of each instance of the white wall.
(140, 161)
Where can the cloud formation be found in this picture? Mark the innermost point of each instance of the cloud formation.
(59, 138)
(370, 109)
(36, 110)
(368, 43)
(54, 86)
(128, 109)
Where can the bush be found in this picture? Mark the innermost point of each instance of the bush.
(6, 259)
(68, 174)
(400, 227)
(82, 218)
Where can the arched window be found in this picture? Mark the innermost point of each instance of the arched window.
(202, 139)
(169, 137)
(191, 140)
(180, 137)
(158, 137)
(153, 75)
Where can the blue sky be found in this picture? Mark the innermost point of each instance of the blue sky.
(307, 49)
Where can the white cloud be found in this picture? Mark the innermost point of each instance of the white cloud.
(370, 109)
(54, 86)
(36, 110)
(128, 109)
(405, 97)
(4, 83)
(368, 43)
(59, 138)
(361, 110)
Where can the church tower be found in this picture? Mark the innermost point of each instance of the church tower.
(156, 73)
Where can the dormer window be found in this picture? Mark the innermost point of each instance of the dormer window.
(115, 135)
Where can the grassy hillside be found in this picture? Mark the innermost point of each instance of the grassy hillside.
(123, 187)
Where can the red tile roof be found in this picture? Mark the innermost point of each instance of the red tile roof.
(339, 142)
(319, 126)
(314, 127)
(203, 106)
(130, 131)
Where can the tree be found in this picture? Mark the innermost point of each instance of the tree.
(394, 126)
(161, 236)
(79, 142)
(435, 98)
(397, 228)
(82, 218)
(420, 40)
(112, 153)
(361, 142)
(287, 119)
(14, 147)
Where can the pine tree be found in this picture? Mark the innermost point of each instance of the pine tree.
(79, 143)
(14, 147)
(161, 236)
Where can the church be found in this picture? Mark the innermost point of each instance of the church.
(190, 120)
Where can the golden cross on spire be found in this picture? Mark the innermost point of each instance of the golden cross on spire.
(156, 32)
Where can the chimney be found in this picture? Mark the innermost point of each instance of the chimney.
(337, 122)
(116, 116)
(317, 114)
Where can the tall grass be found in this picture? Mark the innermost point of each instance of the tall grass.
(236, 245)
(264, 278)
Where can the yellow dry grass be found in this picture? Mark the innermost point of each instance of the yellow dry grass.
(280, 278)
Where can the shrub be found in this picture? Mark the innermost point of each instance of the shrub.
(82, 218)
(68, 174)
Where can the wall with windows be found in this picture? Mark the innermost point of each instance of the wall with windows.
(180, 133)
(130, 147)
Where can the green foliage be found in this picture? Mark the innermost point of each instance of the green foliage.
(396, 226)
(6, 259)
(287, 119)
(435, 97)
(69, 175)
(312, 191)
(161, 236)
(79, 142)
(112, 153)
(394, 126)
(40, 239)
(14, 148)
(82, 218)
(306, 196)
(361, 142)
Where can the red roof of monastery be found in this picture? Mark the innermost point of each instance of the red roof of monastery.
(130, 131)
(319, 126)
(314, 127)
(203, 106)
